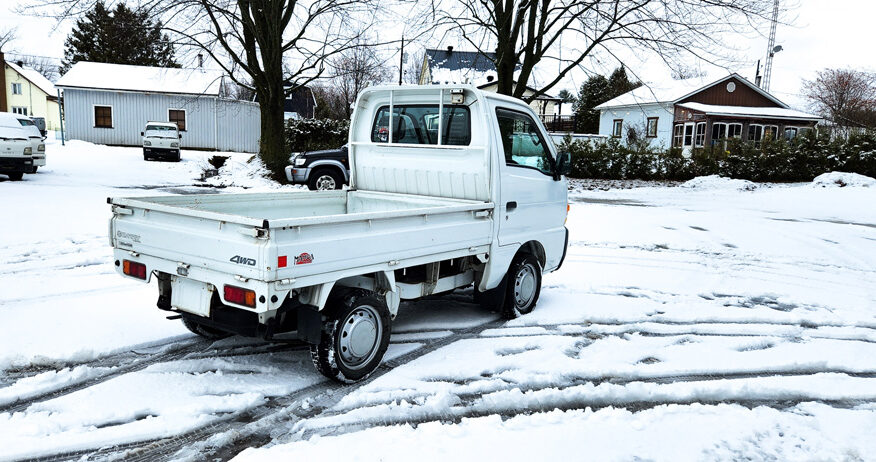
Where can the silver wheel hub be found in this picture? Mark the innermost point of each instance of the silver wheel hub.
(524, 286)
(360, 337)
(325, 182)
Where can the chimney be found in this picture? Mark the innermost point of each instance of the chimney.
(449, 50)
(3, 107)
(20, 63)
(200, 60)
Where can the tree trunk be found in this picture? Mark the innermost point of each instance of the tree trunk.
(272, 144)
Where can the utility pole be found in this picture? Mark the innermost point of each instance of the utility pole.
(401, 61)
(772, 49)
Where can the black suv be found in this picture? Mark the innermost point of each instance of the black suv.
(326, 169)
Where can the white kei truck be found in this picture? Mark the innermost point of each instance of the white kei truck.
(450, 187)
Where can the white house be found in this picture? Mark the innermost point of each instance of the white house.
(699, 112)
(111, 103)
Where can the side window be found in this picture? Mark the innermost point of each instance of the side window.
(617, 128)
(103, 117)
(16, 88)
(524, 146)
(178, 116)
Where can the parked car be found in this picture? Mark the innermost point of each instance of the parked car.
(16, 153)
(451, 187)
(161, 141)
(320, 170)
(34, 137)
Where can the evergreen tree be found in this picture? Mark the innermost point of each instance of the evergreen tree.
(118, 36)
(597, 90)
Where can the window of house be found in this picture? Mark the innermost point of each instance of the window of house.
(719, 132)
(523, 143)
(771, 131)
(103, 117)
(178, 116)
(700, 138)
(688, 134)
(418, 124)
(16, 88)
(790, 133)
(19, 110)
(616, 128)
(734, 130)
(755, 133)
(677, 134)
(651, 127)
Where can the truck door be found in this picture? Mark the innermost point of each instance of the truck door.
(532, 204)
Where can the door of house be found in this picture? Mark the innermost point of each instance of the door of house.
(687, 141)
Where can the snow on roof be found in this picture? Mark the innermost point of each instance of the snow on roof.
(35, 78)
(674, 90)
(776, 112)
(107, 76)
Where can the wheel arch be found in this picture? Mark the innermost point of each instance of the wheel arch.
(329, 164)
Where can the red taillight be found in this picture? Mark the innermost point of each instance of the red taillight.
(240, 296)
(132, 268)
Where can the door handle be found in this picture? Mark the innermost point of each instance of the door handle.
(510, 206)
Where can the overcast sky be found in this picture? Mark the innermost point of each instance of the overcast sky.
(825, 34)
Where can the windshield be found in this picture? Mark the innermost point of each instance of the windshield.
(26, 122)
(160, 128)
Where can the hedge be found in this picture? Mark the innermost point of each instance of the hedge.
(800, 159)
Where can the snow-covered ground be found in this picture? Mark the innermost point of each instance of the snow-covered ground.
(715, 320)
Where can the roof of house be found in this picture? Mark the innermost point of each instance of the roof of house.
(123, 77)
(35, 78)
(673, 91)
(741, 111)
(543, 96)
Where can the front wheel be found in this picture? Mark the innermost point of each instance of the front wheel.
(325, 179)
(523, 286)
(354, 338)
(15, 176)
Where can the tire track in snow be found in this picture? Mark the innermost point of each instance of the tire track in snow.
(251, 427)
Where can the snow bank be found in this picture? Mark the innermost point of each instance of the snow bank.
(842, 179)
(719, 183)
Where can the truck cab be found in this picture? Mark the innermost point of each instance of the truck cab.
(16, 151)
(450, 187)
(161, 141)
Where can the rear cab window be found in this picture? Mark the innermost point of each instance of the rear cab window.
(419, 124)
(523, 142)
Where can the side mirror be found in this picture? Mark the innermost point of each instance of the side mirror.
(564, 164)
(141, 133)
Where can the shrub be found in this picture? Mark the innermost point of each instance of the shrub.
(314, 134)
(801, 159)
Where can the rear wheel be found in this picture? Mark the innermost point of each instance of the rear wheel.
(523, 286)
(354, 338)
(324, 179)
(202, 330)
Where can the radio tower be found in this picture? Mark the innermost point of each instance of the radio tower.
(772, 49)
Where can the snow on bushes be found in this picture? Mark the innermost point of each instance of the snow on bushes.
(842, 179)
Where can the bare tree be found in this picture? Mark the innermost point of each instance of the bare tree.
(47, 67)
(414, 67)
(846, 97)
(526, 32)
(354, 70)
(7, 36)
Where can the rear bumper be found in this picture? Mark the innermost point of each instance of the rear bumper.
(297, 174)
(16, 164)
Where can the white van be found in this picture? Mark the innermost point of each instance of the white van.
(31, 132)
(161, 141)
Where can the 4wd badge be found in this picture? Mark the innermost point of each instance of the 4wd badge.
(242, 260)
(304, 258)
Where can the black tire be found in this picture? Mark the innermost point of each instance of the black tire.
(145, 157)
(15, 176)
(522, 286)
(33, 169)
(178, 157)
(204, 331)
(325, 179)
(361, 318)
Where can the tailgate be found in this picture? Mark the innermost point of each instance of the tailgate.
(226, 243)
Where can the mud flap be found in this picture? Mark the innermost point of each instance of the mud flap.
(309, 324)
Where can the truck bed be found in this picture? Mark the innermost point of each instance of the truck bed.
(297, 236)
